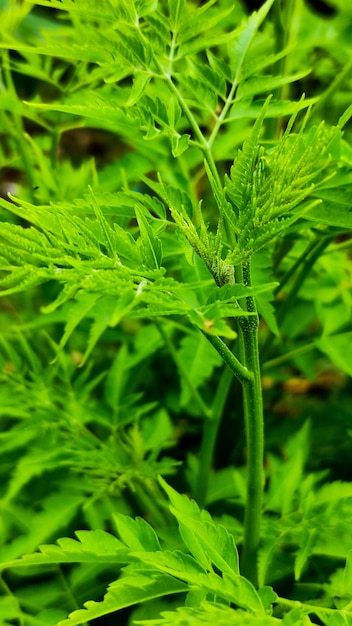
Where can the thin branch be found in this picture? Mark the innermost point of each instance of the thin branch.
(240, 371)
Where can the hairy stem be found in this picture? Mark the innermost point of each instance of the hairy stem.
(254, 428)
(240, 371)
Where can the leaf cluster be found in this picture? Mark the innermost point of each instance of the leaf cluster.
(167, 181)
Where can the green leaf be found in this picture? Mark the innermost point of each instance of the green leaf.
(333, 212)
(140, 82)
(347, 574)
(93, 546)
(210, 543)
(339, 349)
(212, 78)
(176, 9)
(246, 109)
(199, 359)
(180, 144)
(208, 613)
(105, 227)
(87, 8)
(47, 523)
(265, 84)
(137, 534)
(200, 94)
(22, 278)
(239, 48)
(76, 313)
(236, 589)
(305, 550)
(130, 589)
(151, 245)
(286, 478)
(261, 270)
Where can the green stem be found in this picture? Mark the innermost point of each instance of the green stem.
(283, 358)
(203, 144)
(198, 133)
(210, 433)
(240, 371)
(254, 427)
(221, 118)
(7, 591)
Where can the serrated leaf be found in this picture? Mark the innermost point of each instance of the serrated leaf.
(46, 523)
(246, 109)
(210, 613)
(262, 270)
(212, 78)
(236, 589)
(103, 312)
(160, 26)
(179, 144)
(238, 50)
(105, 227)
(286, 479)
(137, 534)
(210, 543)
(199, 359)
(92, 546)
(128, 590)
(76, 314)
(333, 213)
(23, 278)
(200, 93)
(347, 574)
(140, 82)
(339, 349)
(151, 245)
(88, 8)
(176, 8)
(265, 84)
(305, 550)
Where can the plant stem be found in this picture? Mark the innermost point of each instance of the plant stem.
(210, 433)
(203, 144)
(240, 371)
(288, 356)
(254, 427)
(16, 603)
